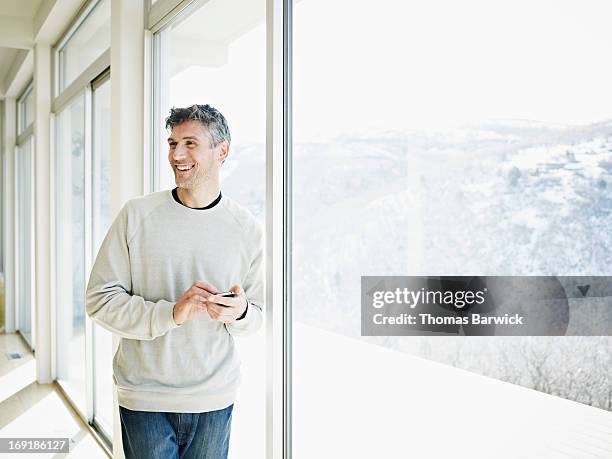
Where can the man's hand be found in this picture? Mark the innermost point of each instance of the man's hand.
(192, 302)
(227, 309)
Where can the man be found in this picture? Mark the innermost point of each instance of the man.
(154, 283)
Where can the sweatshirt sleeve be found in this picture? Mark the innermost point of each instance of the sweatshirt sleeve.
(108, 299)
(254, 289)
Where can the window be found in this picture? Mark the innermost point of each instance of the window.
(224, 67)
(70, 243)
(24, 193)
(440, 138)
(101, 221)
(25, 236)
(85, 43)
(82, 214)
(82, 219)
(216, 55)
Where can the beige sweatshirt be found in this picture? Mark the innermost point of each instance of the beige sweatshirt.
(155, 250)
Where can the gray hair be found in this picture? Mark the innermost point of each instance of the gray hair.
(210, 117)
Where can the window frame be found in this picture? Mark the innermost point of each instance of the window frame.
(27, 138)
(88, 74)
(82, 86)
(105, 77)
(278, 148)
(25, 135)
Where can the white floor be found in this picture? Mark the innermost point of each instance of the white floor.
(355, 400)
(15, 374)
(38, 410)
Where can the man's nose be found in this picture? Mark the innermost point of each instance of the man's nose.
(179, 153)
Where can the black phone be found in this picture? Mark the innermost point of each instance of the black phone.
(225, 294)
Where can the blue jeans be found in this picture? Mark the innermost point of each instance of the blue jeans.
(155, 435)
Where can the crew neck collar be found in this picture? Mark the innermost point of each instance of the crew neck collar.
(209, 208)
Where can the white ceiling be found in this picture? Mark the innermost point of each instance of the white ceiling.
(17, 13)
(7, 55)
(19, 8)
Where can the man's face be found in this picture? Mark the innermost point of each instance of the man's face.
(191, 148)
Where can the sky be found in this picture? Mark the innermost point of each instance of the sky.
(364, 66)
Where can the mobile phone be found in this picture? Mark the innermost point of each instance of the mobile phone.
(225, 294)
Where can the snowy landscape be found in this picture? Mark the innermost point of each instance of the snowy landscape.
(505, 197)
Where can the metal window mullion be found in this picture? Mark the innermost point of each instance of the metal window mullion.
(149, 137)
(17, 239)
(287, 201)
(53, 202)
(278, 229)
(32, 240)
(88, 172)
(156, 74)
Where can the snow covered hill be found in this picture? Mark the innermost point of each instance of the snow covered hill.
(504, 197)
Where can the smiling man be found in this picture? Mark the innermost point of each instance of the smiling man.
(156, 283)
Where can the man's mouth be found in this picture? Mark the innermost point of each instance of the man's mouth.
(184, 168)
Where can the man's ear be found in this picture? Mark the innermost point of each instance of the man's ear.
(224, 152)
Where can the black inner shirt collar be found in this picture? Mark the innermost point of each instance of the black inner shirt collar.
(212, 204)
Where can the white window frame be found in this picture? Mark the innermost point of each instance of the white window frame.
(278, 194)
(89, 73)
(104, 430)
(24, 138)
(24, 134)
(85, 82)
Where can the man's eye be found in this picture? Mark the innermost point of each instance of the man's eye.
(172, 145)
(190, 144)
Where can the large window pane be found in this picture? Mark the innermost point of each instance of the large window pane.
(70, 243)
(88, 42)
(216, 56)
(103, 383)
(25, 236)
(441, 138)
(204, 63)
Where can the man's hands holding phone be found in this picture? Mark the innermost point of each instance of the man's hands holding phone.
(203, 296)
(226, 308)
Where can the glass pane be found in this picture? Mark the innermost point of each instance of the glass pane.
(29, 108)
(103, 350)
(88, 42)
(26, 110)
(204, 62)
(440, 138)
(70, 233)
(25, 236)
(223, 67)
